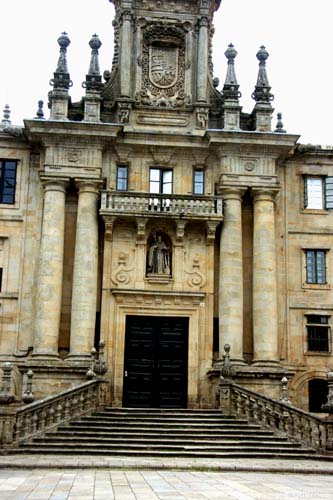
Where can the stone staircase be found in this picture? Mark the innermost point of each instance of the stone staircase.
(165, 433)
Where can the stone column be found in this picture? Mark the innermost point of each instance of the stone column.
(84, 296)
(265, 321)
(49, 285)
(202, 60)
(231, 275)
(126, 54)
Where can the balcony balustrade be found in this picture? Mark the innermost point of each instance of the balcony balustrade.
(162, 205)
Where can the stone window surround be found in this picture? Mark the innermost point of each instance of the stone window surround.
(315, 286)
(313, 172)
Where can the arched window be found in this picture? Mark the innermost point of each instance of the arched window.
(159, 255)
(317, 394)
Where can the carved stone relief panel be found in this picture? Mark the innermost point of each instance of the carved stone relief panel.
(163, 66)
(123, 272)
(165, 5)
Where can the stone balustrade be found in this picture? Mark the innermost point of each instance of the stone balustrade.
(23, 423)
(297, 424)
(153, 204)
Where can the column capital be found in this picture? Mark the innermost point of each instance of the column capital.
(89, 185)
(54, 183)
(232, 192)
(264, 194)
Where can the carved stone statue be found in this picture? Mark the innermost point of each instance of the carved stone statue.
(158, 257)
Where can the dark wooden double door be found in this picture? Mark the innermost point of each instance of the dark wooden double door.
(156, 362)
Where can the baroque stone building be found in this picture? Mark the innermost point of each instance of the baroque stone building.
(158, 216)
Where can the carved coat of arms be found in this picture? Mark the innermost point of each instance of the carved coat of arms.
(163, 66)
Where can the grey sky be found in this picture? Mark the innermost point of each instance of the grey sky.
(297, 34)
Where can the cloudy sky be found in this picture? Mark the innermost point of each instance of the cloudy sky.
(297, 33)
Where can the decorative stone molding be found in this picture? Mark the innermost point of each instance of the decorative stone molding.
(121, 275)
(180, 224)
(211, 230)
(201, 118)
(196, 278)
(109, 225)
(141, 229)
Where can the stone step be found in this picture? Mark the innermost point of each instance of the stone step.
(69, 431)
(257, 452)
(216, 444)
(167, 419)
(165, 411)
(178, 424)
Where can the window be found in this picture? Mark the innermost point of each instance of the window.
(122, 178)
(316, 267)
(8, 181)
(160, 181)
(318, 193)
(318, 333)
(198, 181)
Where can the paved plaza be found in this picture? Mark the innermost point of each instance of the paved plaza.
(87, 484)
(95, 478)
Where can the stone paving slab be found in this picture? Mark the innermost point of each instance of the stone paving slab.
(96, 484)
(26, 461)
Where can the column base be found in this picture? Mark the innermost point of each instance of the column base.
(273, 363)
(45, 356)
(79, 357)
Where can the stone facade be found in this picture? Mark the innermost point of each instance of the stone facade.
(157, 197)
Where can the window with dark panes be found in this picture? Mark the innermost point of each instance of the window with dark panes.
(198, 181)
(318, 333)
(8, 181)
(122, 178)
(318, 192)
(316, 267)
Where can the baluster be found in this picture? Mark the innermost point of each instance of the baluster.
(247, 408)
(238, 403)
(255, 411)
(322, 436)
(18, 428)
(34, 422)
(58, 412)
(315, 434)
(50, 416)
(43, 419)
(82, 402)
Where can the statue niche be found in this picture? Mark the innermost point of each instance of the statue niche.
(159, 252)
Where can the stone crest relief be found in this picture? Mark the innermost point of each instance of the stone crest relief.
(163, 66)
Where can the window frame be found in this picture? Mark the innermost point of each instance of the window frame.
(119, 179)
(200, 183)
(315, 271)
(161, 182)
(326, 183)
(314, 329)
(4, 178)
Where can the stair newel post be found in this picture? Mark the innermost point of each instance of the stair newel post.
(27, 396)
(285, 396)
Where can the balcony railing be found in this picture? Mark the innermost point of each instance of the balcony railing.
(152, 204)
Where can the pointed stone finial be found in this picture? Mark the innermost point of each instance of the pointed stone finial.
(6, 115)
(231, 87)
(61, 78)
(91, 373)
(40, 111)
(93, 78)
(279, 124)
(262, 89)
(100, 366)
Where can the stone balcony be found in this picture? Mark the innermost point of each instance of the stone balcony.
(188, 207)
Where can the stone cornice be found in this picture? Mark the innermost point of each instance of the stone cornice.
(68, 132)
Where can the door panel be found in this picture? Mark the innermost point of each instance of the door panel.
(156, 352)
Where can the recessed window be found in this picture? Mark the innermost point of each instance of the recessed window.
(318, 333)
(122, 178)
(160, 181)
(198, 181)
(7, 181)
(316, 267)
(318, 193)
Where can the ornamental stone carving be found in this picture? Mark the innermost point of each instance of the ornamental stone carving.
(122, 275)
(196, 279)
(163, 66)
